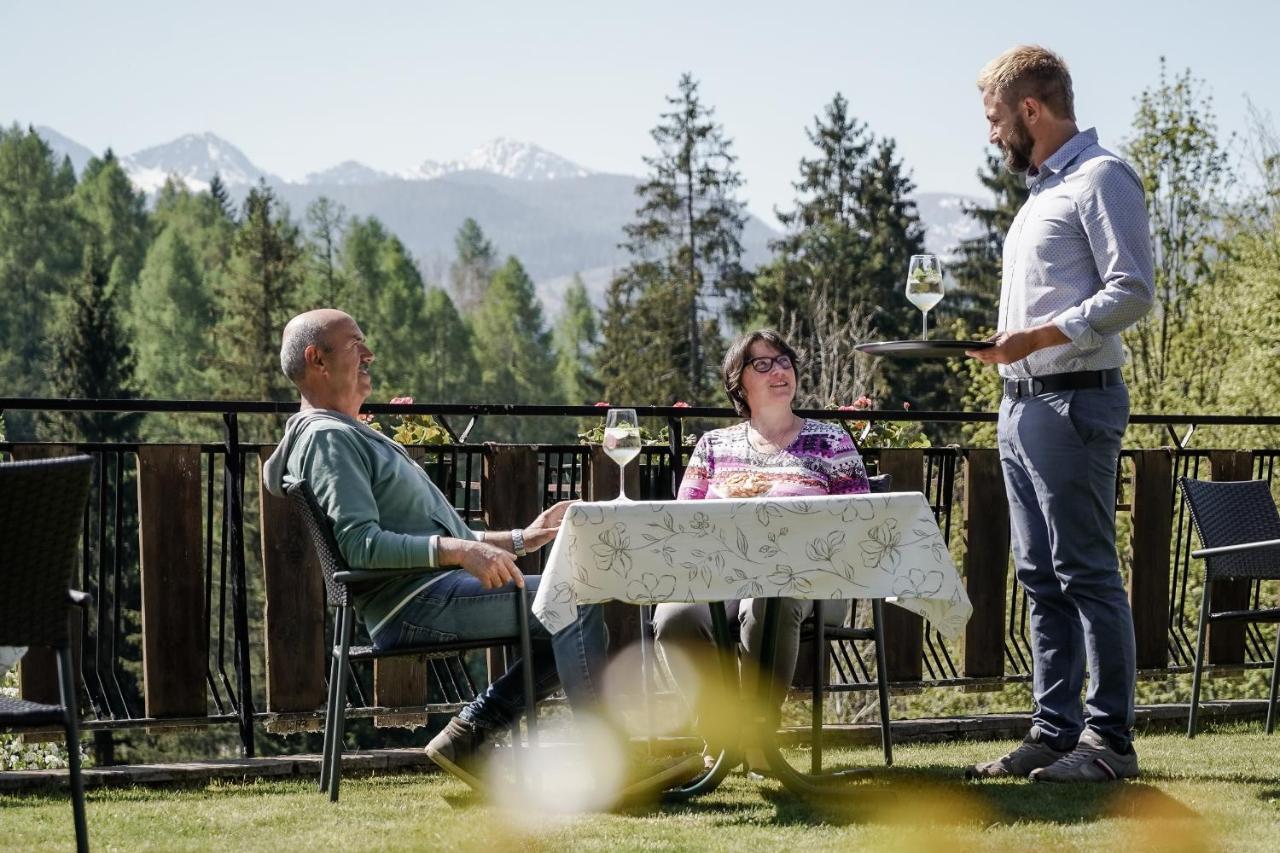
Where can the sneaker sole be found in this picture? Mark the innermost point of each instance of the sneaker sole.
(1110, 776)
(453, 769)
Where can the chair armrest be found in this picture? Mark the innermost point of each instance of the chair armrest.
(79, 599)
(362, 575)
(1230, 549)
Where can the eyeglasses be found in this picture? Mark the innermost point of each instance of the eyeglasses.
(765, 363)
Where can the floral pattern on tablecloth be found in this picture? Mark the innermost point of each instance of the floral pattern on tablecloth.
(837, 547)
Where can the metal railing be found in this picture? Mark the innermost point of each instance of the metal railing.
(111, 641)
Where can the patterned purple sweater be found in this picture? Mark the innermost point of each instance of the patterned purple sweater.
(820, 461)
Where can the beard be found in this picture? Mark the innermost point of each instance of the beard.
(1017, 148)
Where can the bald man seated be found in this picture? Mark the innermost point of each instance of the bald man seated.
(387, 513)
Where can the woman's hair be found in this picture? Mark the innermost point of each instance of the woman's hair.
(735, 362)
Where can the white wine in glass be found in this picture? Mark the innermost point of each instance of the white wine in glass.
(622, 443)
(924, 286)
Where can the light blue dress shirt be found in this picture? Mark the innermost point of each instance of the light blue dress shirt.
(1078, 255)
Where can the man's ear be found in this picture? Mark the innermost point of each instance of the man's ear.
(313, 356)
(1031, 110)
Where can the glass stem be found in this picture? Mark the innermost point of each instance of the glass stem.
(622, 482)
(924, 333)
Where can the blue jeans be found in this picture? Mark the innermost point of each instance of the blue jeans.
(1059, 454)
(457, 607)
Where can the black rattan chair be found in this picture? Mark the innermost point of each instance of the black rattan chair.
(1239, 530)
(42, 506)
(340, 583)
(829, 638)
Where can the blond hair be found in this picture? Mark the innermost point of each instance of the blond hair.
(1030, 71)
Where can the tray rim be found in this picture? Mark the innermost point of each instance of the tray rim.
(894, 347)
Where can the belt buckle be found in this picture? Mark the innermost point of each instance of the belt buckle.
(1028, 387)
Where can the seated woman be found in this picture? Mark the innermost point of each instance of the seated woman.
(773, 453)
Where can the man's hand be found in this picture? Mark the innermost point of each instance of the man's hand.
(545, 526)
(489, 564)
(1015, 346)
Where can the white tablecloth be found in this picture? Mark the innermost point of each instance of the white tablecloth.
(830, 547)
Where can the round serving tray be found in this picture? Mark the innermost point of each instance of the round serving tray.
(922, 349)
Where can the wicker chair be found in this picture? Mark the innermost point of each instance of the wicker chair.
(42, 505)
(341, 582)
(824, 637)
(1239, 530)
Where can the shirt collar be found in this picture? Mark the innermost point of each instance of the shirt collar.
(1060, 159)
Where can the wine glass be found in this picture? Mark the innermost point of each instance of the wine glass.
(622, 443)
(924, 286)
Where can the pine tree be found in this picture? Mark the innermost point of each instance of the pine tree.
(40, 255)
(976, 272)
(259, 293)
(445, 353)
(686, 250)
(474, 265)
(173, 316)
(514, 352)
(95, 360)
(116, 216)
(971, 301)
(326, 220)
(576, 338)
(386, 295)
(893, 234)
(218, 192)
(175, 305)
(839, 267)
(823, 253)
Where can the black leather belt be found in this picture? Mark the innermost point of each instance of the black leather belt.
(1016, 389)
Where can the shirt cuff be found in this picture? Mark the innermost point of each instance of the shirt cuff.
(1073, 324)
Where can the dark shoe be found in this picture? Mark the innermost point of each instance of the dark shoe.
(461, 749)
(1031, 754)
(1093, 760)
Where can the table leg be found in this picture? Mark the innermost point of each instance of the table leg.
(727, 647)
(766, 727)
(646, 671)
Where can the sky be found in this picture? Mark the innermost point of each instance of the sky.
(301, 86)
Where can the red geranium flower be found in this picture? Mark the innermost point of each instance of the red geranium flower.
(401, 401)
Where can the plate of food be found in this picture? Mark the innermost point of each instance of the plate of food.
(922, 349)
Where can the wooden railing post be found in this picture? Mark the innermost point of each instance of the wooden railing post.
(175, 646)
(511, 495)
(986, 562)
(903, 630)
(1149, 580)
(293, 610)
(1226, 639)
(38, 670)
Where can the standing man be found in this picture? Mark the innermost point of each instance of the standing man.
(1077, 272)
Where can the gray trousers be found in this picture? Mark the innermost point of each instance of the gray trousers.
(1059, 453)
(688, 626)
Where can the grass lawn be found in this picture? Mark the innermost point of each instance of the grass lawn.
(1219, 792)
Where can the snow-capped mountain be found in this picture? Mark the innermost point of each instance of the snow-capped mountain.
(520, 161)
(347, 173)
(556, 227)
(195, 158)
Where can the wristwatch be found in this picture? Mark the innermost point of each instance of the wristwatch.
(517, 542)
